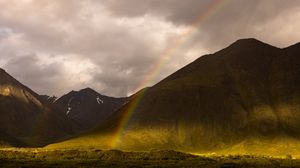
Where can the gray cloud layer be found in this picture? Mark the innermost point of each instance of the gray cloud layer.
(55, 46)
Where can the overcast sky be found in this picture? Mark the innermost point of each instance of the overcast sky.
(55, 46)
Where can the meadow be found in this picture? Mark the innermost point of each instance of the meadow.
(35, 157)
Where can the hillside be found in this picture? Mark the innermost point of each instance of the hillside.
(245, 94)
(25, 120)
(39, 158)
(87, 107)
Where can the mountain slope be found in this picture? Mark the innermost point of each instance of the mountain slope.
(249, 90)
(48, 99)
(87, 107)
(25, 120)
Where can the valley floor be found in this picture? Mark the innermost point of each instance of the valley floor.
(113, 158)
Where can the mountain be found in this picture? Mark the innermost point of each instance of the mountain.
(25, 120)
(48, 99)
(246, 96)
(87, 107)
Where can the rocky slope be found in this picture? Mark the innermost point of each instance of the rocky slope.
(249, 90)
(87, 107)
(25, 120)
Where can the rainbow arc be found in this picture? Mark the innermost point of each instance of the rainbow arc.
(211, 10)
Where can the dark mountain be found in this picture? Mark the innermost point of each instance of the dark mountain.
(25, 120)
(88, 107)
(247, 94)
(48, 99)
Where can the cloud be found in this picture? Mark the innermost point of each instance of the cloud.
(110, 54)
(55, 46)
(28, 67)
(223, 21)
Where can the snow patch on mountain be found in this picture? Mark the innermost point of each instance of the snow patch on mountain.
(56, 98)
(69, 106)
(99, 101)
(69, 110)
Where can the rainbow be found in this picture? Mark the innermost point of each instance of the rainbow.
(213, 8)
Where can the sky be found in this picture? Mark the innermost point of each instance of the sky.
(120, 46)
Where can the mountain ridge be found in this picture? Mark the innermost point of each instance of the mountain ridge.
(88, 107)
(248, 89)
(25, 120)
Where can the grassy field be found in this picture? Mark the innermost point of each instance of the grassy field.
(13, 157)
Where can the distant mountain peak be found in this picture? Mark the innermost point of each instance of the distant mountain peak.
(254, 40)
(295, 47)
(3, 74)
(249, 43)
(2, 70)
(9, 86)
(88, 89)
(88, 107)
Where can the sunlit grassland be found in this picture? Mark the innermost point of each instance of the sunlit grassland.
(138, 149)
(147, 139)
(41, 157)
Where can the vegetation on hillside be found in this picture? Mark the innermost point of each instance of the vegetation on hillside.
(115, 158)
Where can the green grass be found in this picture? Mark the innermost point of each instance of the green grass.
(160, 138)
(14, 157)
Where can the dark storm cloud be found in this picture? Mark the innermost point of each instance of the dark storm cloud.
(56, 46)
(27, 68)
(116, 51)
(231, 20)
(186, 12)
(183, 12)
